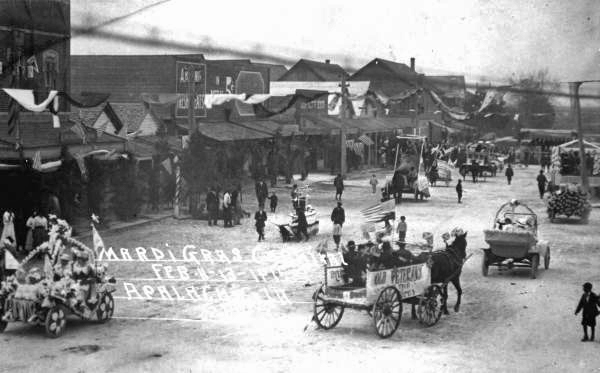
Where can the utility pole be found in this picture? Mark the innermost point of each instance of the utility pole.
(344, 90)
(576, 112)
(191, 119)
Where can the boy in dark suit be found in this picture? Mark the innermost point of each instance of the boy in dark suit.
(589, 304)
(261, 218)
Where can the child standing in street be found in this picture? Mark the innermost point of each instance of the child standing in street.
(273, 202)
(374, 183)
(260, 217)
(459, 190)
(589, 304)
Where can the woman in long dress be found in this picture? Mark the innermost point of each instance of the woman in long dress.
(8, 227)
(40, 230)
(29, 237)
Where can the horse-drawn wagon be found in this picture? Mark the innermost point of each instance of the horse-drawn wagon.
(409, 172)
(422, 282)
(513, 240)
(440, 171)
(382, 297)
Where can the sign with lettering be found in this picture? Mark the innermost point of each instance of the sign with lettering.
(410, 281)
(190, 75)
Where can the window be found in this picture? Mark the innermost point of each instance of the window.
(50, 68)
(217, 80)
(197, 76)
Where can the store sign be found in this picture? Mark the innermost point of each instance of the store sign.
(192, 76)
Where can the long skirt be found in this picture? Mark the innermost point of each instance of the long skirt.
(39, 236)
(29, 240)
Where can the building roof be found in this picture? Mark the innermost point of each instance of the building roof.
(125, 77)
(325, 71)
(275, 71)
(448, 85)
(398, 69)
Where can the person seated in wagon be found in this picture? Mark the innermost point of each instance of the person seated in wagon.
(354, 266)
(85, 274)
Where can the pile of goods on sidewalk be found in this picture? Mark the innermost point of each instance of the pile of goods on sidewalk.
(569, 201)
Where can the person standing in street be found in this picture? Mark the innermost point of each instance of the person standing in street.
(338, 182)
(374, 183)
(273, 202)
(212, 206)
(227, 223)
(541, 182)
(294, 196)
(260, 217)
(401, 229)
(262, 192)
(338, 217)
(302, 223)
(589, 304)
(459, 190)
(509, 173)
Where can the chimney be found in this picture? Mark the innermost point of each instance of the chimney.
(327, 61)
(412, 63)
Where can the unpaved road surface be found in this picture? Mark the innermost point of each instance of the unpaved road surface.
(508, 322)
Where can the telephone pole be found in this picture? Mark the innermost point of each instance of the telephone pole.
(576, 113)
(344, 90)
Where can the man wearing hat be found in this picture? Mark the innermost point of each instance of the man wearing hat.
(352, 268)
(338, 217)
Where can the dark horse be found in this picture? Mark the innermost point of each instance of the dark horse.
(446, 266)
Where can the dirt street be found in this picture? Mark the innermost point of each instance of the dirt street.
(508, 322)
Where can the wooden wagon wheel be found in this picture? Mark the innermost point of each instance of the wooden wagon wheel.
(430, 306)
(484, 264)
(326, 315)
(106, 307)
(387, 312)
(547, 259)
(56, 322)
(535, 262)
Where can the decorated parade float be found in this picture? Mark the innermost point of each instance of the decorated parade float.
(513, 240)
(69, 282)
(409, 171)
(566, 198)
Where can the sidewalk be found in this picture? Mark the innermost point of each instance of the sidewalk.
(118, 226)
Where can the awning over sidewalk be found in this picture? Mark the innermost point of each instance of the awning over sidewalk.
(228, 131)
(547, 136)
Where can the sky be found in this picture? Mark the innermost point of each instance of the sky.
(482, 39)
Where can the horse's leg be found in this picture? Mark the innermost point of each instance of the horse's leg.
(456, 283)
(445, 299)
(413, 312)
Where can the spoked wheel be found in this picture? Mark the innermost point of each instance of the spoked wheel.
(56, 321)
(106, 307)
(326, 315)
(430, 306)
(535, 262)
(547, 259)
(485, 266)
(387, 312)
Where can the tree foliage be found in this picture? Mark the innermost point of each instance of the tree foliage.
(532, 100)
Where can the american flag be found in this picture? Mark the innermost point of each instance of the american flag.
(380, 212)
(366, 140)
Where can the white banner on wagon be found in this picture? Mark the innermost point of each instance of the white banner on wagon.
(410, 281)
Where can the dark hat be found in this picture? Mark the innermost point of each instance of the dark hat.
(339, 203)
(351, 243)
(587, 286)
